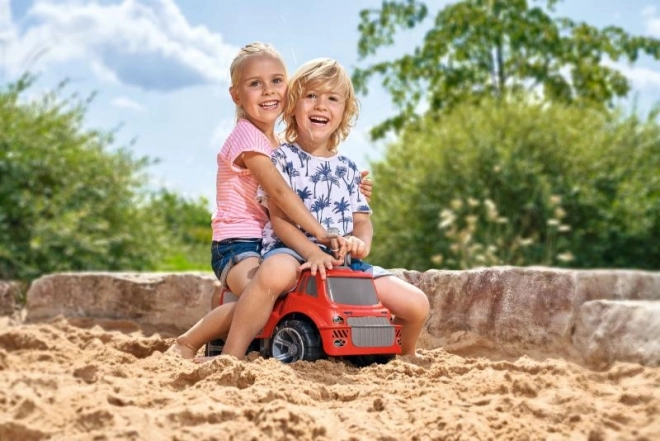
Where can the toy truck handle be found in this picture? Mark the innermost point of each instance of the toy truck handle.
(332, 233)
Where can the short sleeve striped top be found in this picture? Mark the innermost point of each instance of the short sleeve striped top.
(238, 214)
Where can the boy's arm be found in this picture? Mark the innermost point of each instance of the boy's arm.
(290, 234)
(359, 243)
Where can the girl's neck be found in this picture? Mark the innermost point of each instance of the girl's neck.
(266, 129)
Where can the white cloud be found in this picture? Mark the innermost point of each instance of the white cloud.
(127, 103)
(148, 44)
(652, 20)
(641, 77)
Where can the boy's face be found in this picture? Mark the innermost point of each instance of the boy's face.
(261, 90)
(318, 113)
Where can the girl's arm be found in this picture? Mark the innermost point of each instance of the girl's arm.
(290, 234)
(282, 195)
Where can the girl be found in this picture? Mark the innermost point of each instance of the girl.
(321, 107)
(259, 86)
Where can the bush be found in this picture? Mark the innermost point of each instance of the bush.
(520, 184)
(67, 200)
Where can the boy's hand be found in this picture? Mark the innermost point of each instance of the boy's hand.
(366, 185)
(320, 261)
(356, 247)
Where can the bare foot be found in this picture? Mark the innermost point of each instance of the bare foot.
(203, 359)
(182, 349)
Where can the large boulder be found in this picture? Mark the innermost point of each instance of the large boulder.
(607, 331)
(168, 303)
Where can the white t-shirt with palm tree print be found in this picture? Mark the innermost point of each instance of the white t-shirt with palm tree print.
(329, 188)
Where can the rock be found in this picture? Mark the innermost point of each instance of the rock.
(9, 291)
(168, 303)
(521, 310)
(621, 330)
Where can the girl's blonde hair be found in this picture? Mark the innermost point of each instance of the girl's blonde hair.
(251, 50)
(321, 74)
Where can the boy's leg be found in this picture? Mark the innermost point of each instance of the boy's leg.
(408, 304)
(276, 275)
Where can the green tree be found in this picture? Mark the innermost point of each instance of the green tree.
(515, 183)
(495, 48)
(68, 201)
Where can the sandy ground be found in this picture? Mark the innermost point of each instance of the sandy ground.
(109, 380)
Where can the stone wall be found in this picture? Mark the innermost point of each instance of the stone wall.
(593, 316)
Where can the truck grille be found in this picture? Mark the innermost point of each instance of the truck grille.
(372, 332)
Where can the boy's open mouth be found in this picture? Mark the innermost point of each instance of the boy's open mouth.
(318, 120)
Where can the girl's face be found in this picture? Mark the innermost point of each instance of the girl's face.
(261, 90)
(318, 114)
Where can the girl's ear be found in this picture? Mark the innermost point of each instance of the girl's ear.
(234, 95)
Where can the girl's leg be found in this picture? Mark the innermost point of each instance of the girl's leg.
(217, 322)
(408, 304)
(276, 275)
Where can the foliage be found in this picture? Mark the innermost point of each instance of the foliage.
(494, 48)
(188, 223)
(68, 201)
(520, 183)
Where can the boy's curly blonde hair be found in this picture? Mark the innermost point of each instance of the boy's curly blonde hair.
(250, 50)
(321, 74)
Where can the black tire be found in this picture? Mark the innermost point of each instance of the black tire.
(214, 347)
(295, 340)
(368, 360)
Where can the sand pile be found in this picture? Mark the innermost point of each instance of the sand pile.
(108, 380)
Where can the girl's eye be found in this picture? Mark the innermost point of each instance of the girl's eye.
(254, 83)
(278, 80)
(311, 95)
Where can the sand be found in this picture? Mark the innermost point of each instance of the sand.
(101, 380)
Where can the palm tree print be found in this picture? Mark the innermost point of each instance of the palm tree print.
(319, 205)
(341, 208)
(304, 194)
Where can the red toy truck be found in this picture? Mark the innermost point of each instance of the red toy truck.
(337, 317)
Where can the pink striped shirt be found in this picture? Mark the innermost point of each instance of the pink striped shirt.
(238, 214)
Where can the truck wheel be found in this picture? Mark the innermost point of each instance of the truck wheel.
(368, 360)
(214, 347)
(295, 340)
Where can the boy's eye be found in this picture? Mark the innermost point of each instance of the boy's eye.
(278, 80)
(254, 83)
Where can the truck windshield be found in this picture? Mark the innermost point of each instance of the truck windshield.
(352, 291)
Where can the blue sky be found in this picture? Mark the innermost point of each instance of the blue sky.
(160, 67)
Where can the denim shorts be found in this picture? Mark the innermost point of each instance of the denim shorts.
(356, 264)
(226, 253)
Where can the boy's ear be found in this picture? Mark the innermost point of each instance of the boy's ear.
(234, 95)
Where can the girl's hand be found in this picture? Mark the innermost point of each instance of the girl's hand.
(366, 185)
(336, 243)
(320, 261)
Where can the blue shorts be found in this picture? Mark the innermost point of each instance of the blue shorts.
(226, 253)
(356, 264)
